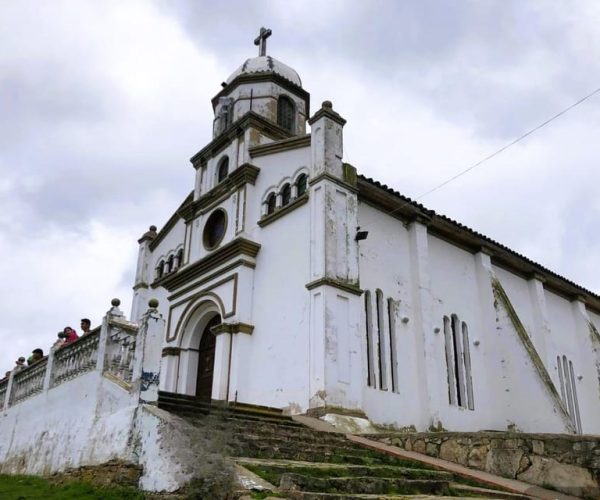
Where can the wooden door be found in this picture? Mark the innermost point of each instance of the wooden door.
(206, 361)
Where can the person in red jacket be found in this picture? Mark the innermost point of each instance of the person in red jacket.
(69, 335)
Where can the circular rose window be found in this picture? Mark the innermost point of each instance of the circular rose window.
(214, 229)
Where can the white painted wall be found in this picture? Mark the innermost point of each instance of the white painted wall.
(507, 388)
(82, 422)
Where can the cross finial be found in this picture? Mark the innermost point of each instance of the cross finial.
(261, 41)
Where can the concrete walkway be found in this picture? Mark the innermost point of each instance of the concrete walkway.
(511, 485)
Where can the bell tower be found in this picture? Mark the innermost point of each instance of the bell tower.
(264, 86)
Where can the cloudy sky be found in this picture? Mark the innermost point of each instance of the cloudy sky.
(103, 103)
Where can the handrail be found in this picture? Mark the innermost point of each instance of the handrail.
(28, 381)
(75, 358)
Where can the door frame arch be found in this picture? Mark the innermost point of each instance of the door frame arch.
(193, 324)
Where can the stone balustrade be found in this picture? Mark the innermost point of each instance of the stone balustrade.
(76, 358)
(120, 349)
(3, 392)
(109, 350)
(28, 381)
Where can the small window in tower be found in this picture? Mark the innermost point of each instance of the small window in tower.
(301, 184)
(285, 113)
(223, 169)
(170, 262)
(179, 260)
(271, 203)
(160, 269)
(286, 195)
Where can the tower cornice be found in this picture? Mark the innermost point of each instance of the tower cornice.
(236, 129)
(266, 76)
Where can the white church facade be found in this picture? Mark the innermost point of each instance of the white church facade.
(287, 280)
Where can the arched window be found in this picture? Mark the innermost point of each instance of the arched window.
(160, 269)
(301, 184)
(566, 376)
(458, 362)
(271, 203)
(286, 195)
(179, 260)
(381, 340)
(170, 262)
(285, 113)
(223, 169)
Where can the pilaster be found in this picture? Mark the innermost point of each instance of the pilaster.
(147, 359)
(487, 338)
(143, 274)
(540, 318)
(49, 371)
(335, 363)
(428, 369)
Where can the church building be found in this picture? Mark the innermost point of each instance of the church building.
(288, 280)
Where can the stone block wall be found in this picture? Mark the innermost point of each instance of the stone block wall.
(114, 472)
(567, 463)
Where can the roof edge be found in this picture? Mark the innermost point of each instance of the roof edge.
(407, 210)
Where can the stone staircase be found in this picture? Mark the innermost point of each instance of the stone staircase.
(306, 464)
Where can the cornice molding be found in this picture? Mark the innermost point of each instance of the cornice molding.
(327, 112)
(335, 180)
(236, 129)
(264, 76)
(235, 248)
(302, 141)
(171, 351)
(244, 174)
(280, 212)
(232, 328)
(170, 224)
(346, 287)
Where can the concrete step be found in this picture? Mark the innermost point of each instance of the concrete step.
(324, 455)
(253, 436)
(275, 468)
(470, 491)
(164, 395)
(318, 448)
(186, 401)
(308, 495)
(302, 441)
(198, 410)
(369, 485)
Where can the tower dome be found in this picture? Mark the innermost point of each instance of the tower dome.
(266, 64)
(263, 88)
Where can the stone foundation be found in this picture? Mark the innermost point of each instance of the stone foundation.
(567, 463)
(113, 473)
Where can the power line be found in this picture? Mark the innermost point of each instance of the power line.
(501, 150)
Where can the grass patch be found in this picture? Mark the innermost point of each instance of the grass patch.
(261, 495)
(33, 487)
(268, 475)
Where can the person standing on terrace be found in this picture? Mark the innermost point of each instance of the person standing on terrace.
(36, 355)
(85, 326)
(69, 335)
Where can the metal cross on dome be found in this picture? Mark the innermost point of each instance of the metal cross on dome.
(261, 41)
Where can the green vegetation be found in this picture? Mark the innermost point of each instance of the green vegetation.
(261, 495)
(272, 474)
(32, 487)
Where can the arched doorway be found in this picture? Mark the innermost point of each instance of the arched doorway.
(206, 360)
